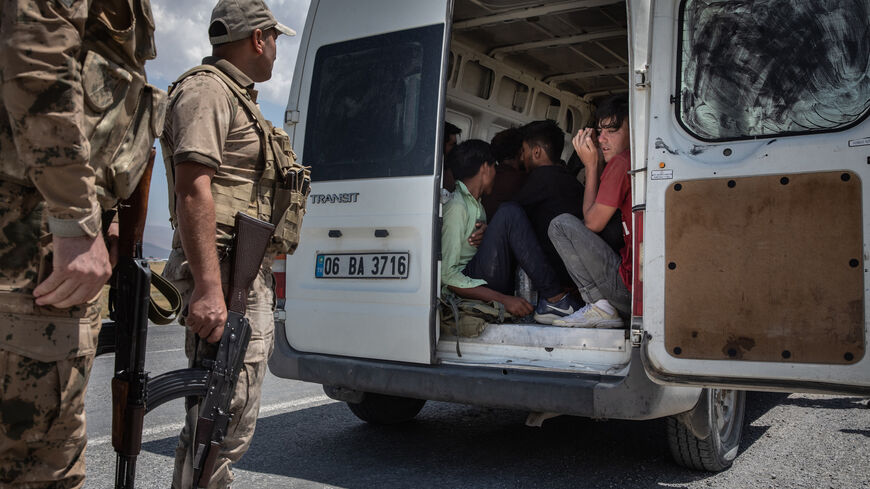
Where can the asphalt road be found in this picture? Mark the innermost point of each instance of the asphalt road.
(305, 440)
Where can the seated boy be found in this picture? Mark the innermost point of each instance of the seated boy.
(478, 261)
(510, 175)
(602, 276)
(549, 190)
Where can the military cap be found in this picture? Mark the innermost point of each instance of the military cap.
(240, 18)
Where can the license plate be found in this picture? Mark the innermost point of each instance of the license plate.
(388, 264)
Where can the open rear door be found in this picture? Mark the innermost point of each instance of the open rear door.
(365, 114)
(754, 253)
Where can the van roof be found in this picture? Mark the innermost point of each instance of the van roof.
(580, 47)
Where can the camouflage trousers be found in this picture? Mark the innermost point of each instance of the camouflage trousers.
(45, 357)
(245, 406)
(42, 422)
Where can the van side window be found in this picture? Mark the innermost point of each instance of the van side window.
(765, 69)
(374, 106)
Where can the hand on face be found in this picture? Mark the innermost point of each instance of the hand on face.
(585, 145)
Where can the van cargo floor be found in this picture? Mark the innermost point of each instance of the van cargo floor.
(603, 351)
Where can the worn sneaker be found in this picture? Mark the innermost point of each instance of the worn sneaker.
(590, 316)
(547, 312)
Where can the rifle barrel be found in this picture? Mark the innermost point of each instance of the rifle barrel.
(125, 472)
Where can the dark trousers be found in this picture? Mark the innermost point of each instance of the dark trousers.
(510, 241)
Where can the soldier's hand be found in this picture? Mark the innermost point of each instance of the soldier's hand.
(207, 313)
(80, 269)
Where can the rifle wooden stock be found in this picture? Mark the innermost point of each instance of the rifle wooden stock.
(249, 246)
(211, 458)
(133, 212)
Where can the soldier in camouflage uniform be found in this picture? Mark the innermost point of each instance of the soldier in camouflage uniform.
(72, 105)
(223, 157)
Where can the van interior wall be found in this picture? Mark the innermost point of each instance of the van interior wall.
(516, 61)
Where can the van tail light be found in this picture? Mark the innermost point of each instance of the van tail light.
(637, 266)
(279, 271)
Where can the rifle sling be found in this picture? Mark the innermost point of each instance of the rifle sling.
(157, 313)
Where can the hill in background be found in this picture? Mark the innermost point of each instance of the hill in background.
(157, 241)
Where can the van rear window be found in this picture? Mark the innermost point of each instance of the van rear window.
(373, 108)
(764, 69)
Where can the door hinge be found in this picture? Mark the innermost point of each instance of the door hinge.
(291, 117)
(637, 331)
(640, 80)
(673, 99)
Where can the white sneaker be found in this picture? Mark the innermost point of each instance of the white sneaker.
(590, 316)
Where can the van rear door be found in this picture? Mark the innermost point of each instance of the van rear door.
(367, 94)
(754, 253)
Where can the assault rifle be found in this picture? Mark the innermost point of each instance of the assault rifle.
(134, 394)
(251, 239)
(129, 297)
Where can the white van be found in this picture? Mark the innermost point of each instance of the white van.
(750, 148)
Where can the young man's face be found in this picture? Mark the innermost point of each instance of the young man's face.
(526, 156)
(532, 155)
(611, 140)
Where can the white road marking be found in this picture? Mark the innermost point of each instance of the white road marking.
(289, 406)
(112, 355)
(167, 351)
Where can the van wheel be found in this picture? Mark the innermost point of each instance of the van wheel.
(708, 437)
(382, 409)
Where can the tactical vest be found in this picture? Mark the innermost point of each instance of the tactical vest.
(123, 114)
(284, 184)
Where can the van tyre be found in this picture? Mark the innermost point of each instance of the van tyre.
(381, 409)
(719, 414)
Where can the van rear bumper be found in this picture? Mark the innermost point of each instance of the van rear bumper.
(633, 396)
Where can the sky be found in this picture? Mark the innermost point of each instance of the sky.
(182, 42)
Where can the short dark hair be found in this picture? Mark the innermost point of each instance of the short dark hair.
(616, 108)
(450, 129)
(467, 157)
(547, 135)
(507, 144)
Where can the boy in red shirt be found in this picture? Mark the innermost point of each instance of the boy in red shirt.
(602, 276)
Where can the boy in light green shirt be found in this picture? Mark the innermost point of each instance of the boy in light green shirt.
(478, 260)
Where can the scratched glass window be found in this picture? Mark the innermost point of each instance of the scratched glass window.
(374, 106)
(767, 68)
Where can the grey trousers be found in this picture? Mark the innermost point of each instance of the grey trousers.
(592, 263)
